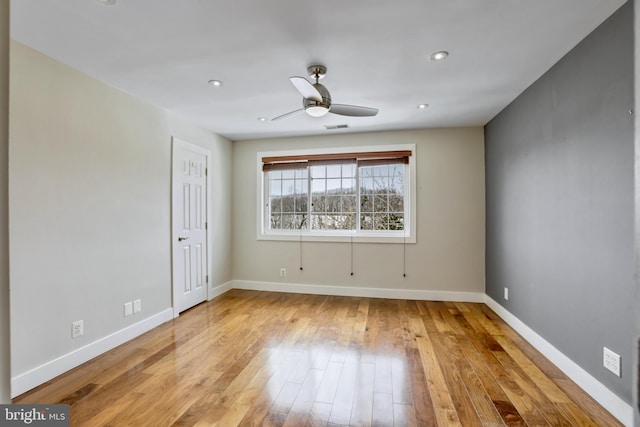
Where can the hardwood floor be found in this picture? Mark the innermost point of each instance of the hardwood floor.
(274, 359)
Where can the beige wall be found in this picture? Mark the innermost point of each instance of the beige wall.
(448, 255)
(5, 354)
(90, 207)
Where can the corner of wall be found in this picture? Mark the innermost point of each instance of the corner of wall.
(5, 353)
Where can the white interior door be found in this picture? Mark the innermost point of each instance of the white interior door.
(189, 218)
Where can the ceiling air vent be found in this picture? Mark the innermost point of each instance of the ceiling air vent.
(332, 127)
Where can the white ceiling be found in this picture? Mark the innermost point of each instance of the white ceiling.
(377, 55)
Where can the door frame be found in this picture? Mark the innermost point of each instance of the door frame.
(176, 144)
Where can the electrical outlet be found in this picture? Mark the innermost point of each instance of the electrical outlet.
(137, 306)
(283, 272)
(77, 329)
(611, 361)
(128, 309)
(506, 294)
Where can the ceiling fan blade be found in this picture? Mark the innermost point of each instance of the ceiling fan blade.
(291, 113)
(306, 89)
(352, 110)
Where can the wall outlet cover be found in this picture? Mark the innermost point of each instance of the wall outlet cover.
(128, 309)
(137, 306)
(611, 361)
(77, 329)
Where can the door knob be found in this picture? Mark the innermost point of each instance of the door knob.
(180, 239)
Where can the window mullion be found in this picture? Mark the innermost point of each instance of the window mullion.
(309, 198)
(357, 230)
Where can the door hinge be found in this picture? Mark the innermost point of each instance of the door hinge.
(206, 225)
(207, 278)
(206, 171)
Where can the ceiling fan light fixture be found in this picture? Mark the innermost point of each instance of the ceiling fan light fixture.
(440, 55)
(316, 110)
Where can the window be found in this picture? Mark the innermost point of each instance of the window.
(363, 193)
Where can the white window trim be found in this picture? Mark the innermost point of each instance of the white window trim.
(357, 236)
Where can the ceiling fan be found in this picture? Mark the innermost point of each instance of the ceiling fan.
(316, 100)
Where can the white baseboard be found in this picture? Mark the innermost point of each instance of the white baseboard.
(352, 291)
(41, 374)
(219, 290)
(605, 397)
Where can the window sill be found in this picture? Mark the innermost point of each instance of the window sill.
(337, 238)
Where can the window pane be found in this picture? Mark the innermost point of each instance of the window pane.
(301, 186)
(333, 204)
(276, 204)
(380, 221)
(349, 203)
(366, 222)
(334, 186)
(396, 204)
(288, 186)
(302, 174)
(302, 221)
(317, 203)
(287, 203)
(334, 171)
(366, 203)
(366, 172)
(275, 174)
(288, 174)
(318, 186)
(366, 186)
(396, 221)
(381, 184)
(348, 170)
(275, 187)
(318, 171)
(275, 221)
(301, 204)
(396, 186)
(380, 203)
(341, 222)
(381, 170)
(287, 222)
(318, 222)
(348, 185)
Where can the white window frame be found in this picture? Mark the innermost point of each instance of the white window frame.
(408, 235)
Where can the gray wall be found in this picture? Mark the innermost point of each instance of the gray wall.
(5, 355)
(560, 226)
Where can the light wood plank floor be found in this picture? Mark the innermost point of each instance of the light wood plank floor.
(273, 359)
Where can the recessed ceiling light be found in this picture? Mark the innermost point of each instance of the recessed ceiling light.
(422, 106)
(107, 2)
(262, 119)
(439, 55)
(215, 83)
